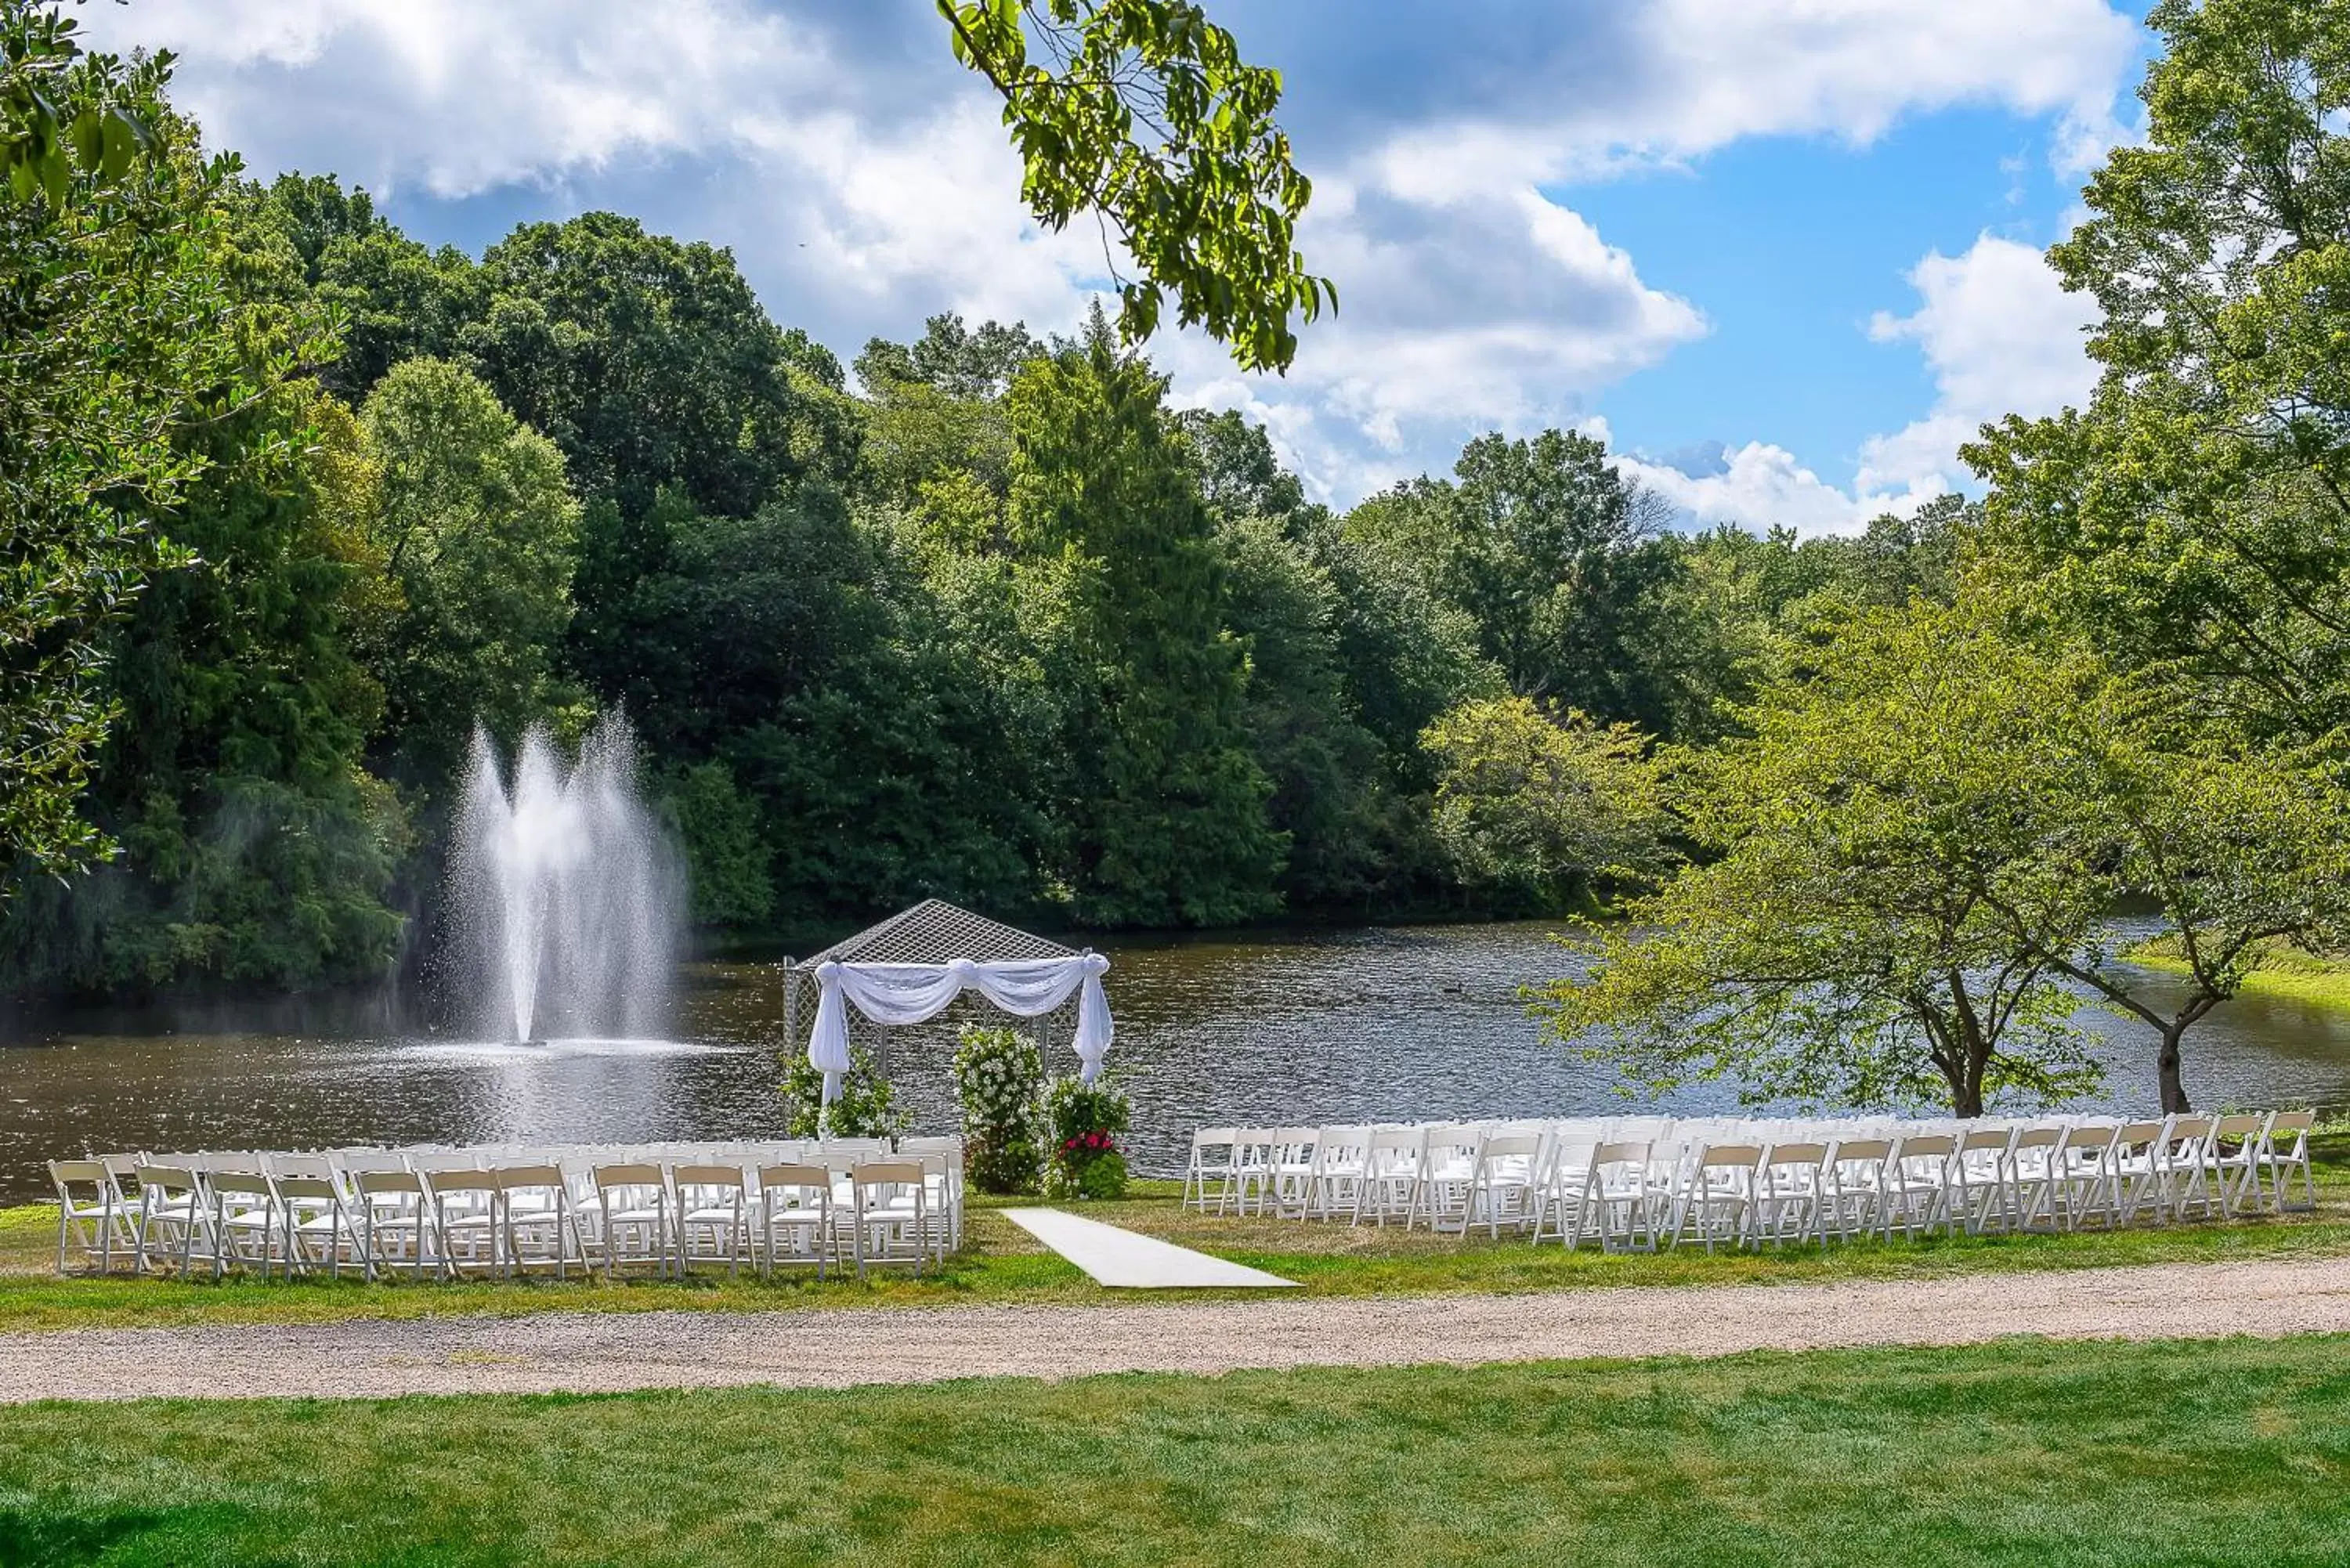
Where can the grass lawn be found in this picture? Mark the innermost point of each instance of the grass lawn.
(1001, 1263)
(2020, 1452)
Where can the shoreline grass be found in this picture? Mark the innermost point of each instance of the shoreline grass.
(2024, 1451)
(2286, 974)
(1002, 1265)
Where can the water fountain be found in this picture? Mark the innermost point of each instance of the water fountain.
(564, 893)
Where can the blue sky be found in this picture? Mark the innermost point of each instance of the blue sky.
(1783, 253)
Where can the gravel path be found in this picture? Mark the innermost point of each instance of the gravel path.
(589, 1352)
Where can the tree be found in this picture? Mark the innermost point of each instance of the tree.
(650, 363)
(122, 327)
(2242, 850)
(2198, 512)
(1870, 915)
(1544, 809)
(479, 537)
(1143, 112)
(1550, 554)
(1166, 817)
(257, 851)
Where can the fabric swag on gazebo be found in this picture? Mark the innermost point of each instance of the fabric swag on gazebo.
(912, 966)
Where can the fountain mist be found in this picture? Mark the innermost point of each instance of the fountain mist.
(567, 903)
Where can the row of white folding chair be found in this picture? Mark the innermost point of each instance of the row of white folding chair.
(1389, 1171)
(437, 1210)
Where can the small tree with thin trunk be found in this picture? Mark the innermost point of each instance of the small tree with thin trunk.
(2242, 851)
(1867, 919)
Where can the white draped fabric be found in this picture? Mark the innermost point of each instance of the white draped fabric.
(900, 993)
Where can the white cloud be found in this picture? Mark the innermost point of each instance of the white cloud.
(864, 181)
(1702, 74)
(2001, 337)
(1763, 486)
(460, 96)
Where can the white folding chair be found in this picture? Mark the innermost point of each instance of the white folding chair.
(712, 1219)
(246, 1220)
(1980, 1192)
(1501, 1184)
(633, 1208)
(1791, 1194)
(1390, 1180)
(795, 1208)
(2292, 1129)
(1917, 1192)
(1622, 1192)
(2231, 1160)
(1856, 1173)
(2034, 1167)
(1718, 1203)
(395, 1222)
(1214, 1161)
(465, 1220)
(538, 1226)
(888, 1214)
(86, 1212)
(1341, 1159)
(2141, 1176)
(1447, 1164)
(1566, 1180)
(175, 1221)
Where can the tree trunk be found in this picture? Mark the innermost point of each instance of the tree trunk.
(2174, 1092)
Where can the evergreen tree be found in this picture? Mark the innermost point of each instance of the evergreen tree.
(1167, 822)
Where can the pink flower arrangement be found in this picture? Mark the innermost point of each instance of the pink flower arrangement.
(1088, 1143)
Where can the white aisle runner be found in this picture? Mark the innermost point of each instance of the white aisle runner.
(1117, 1257)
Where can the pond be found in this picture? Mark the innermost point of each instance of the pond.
(1310, 1026)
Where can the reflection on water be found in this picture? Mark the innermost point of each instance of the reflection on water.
(1306, 1026)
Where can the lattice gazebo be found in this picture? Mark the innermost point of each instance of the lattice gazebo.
(913, 966)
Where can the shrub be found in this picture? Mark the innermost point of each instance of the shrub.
(997, 1074)
(868, 1107)
(1083, 1121)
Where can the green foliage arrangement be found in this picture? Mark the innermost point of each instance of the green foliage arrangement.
(1084, 1122)
(867, 1105)
(999, 1077)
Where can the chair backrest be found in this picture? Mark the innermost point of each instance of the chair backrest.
(611, 1179)
(239, 1184)
(707, 1176)
(1868, 1150)
(388, 1183)
(887, 1173)
(1623, 1153)
(2243, 1125)
(70, 1173)
(167, 1181)
(1929, 1146)
(2045, 1135)
(307, 1166)
(802, 1177)
(305, 1190)
(2099, 1138)
(2298, 1123)
(1729, 1156)
(529, 1178)
(1807, 1155)
(1978, 1138)
(469, 1179)
(1213, 1137)
(1511, 1145)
